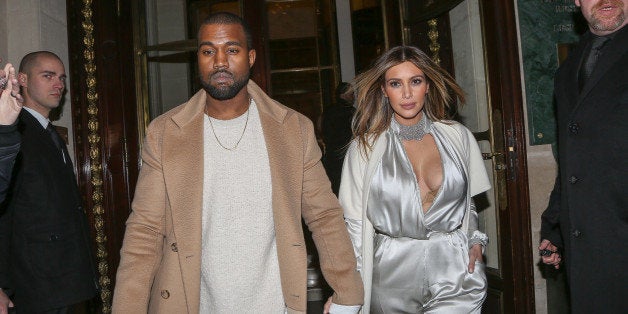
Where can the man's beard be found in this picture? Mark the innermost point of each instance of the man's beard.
(225, 92)
(606, 25)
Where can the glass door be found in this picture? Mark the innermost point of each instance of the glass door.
(304, 68)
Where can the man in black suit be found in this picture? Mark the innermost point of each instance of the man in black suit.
(45, 252)
(586, 221)
(336, 128)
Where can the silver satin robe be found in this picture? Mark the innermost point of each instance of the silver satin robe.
(421, 259)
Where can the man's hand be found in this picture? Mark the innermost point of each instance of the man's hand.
(475, 254)
(554, 257)
(5, 303)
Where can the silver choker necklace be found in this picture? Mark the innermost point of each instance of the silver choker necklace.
(414, 132)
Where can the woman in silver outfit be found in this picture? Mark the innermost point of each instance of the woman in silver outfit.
(406, 188)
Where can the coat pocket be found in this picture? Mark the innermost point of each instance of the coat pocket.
(53, 254)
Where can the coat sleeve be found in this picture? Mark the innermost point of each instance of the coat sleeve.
(478, 183)
(478, 178)
(9, 147)
(141, 250)
(474, 234)
(323, 215)
(550, 227)
(350, 197)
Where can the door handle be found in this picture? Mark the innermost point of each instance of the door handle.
(487, 156)
(498, 157)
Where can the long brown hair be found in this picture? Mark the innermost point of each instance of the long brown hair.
(373, 113)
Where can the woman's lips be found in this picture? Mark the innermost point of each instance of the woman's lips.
(408, 106)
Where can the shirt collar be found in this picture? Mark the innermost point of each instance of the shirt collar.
(42, 120)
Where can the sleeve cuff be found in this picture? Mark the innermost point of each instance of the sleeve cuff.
(9, 135)
(344, 309)
(8, 128)
(478, 237)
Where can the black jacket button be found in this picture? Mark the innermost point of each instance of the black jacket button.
(573, 179)
(576, 233)
(574, 127)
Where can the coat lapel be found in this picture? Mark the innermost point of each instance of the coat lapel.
(183, 175)
(611, 55)
(567, 92)
(280, 156)
(41, 135)
(285, 156)
(278, 152)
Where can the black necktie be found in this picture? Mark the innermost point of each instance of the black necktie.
(56, 138)
(591, 59)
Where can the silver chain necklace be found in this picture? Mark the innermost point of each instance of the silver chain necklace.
(241, 135)
(414, 132)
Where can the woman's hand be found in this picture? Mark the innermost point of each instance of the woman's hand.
(475, 254)
(10, 98)
(327, 306)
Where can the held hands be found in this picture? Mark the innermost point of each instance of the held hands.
(5, 303)
(10, 98)
(327, 306)
(475, 255)
(553, 256)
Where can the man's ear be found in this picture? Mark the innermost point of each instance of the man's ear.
(21, 79)
(252, 55)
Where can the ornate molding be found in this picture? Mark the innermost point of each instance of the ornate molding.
(432, 33)
(94, 157)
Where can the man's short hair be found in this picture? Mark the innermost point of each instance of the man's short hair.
(229, 18)
(30, 59)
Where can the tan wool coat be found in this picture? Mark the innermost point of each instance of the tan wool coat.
(160, 258)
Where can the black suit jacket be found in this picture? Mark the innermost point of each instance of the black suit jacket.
(336, 128)
(44, 244)
(588, 210)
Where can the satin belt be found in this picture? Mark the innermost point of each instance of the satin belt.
(426, 276)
